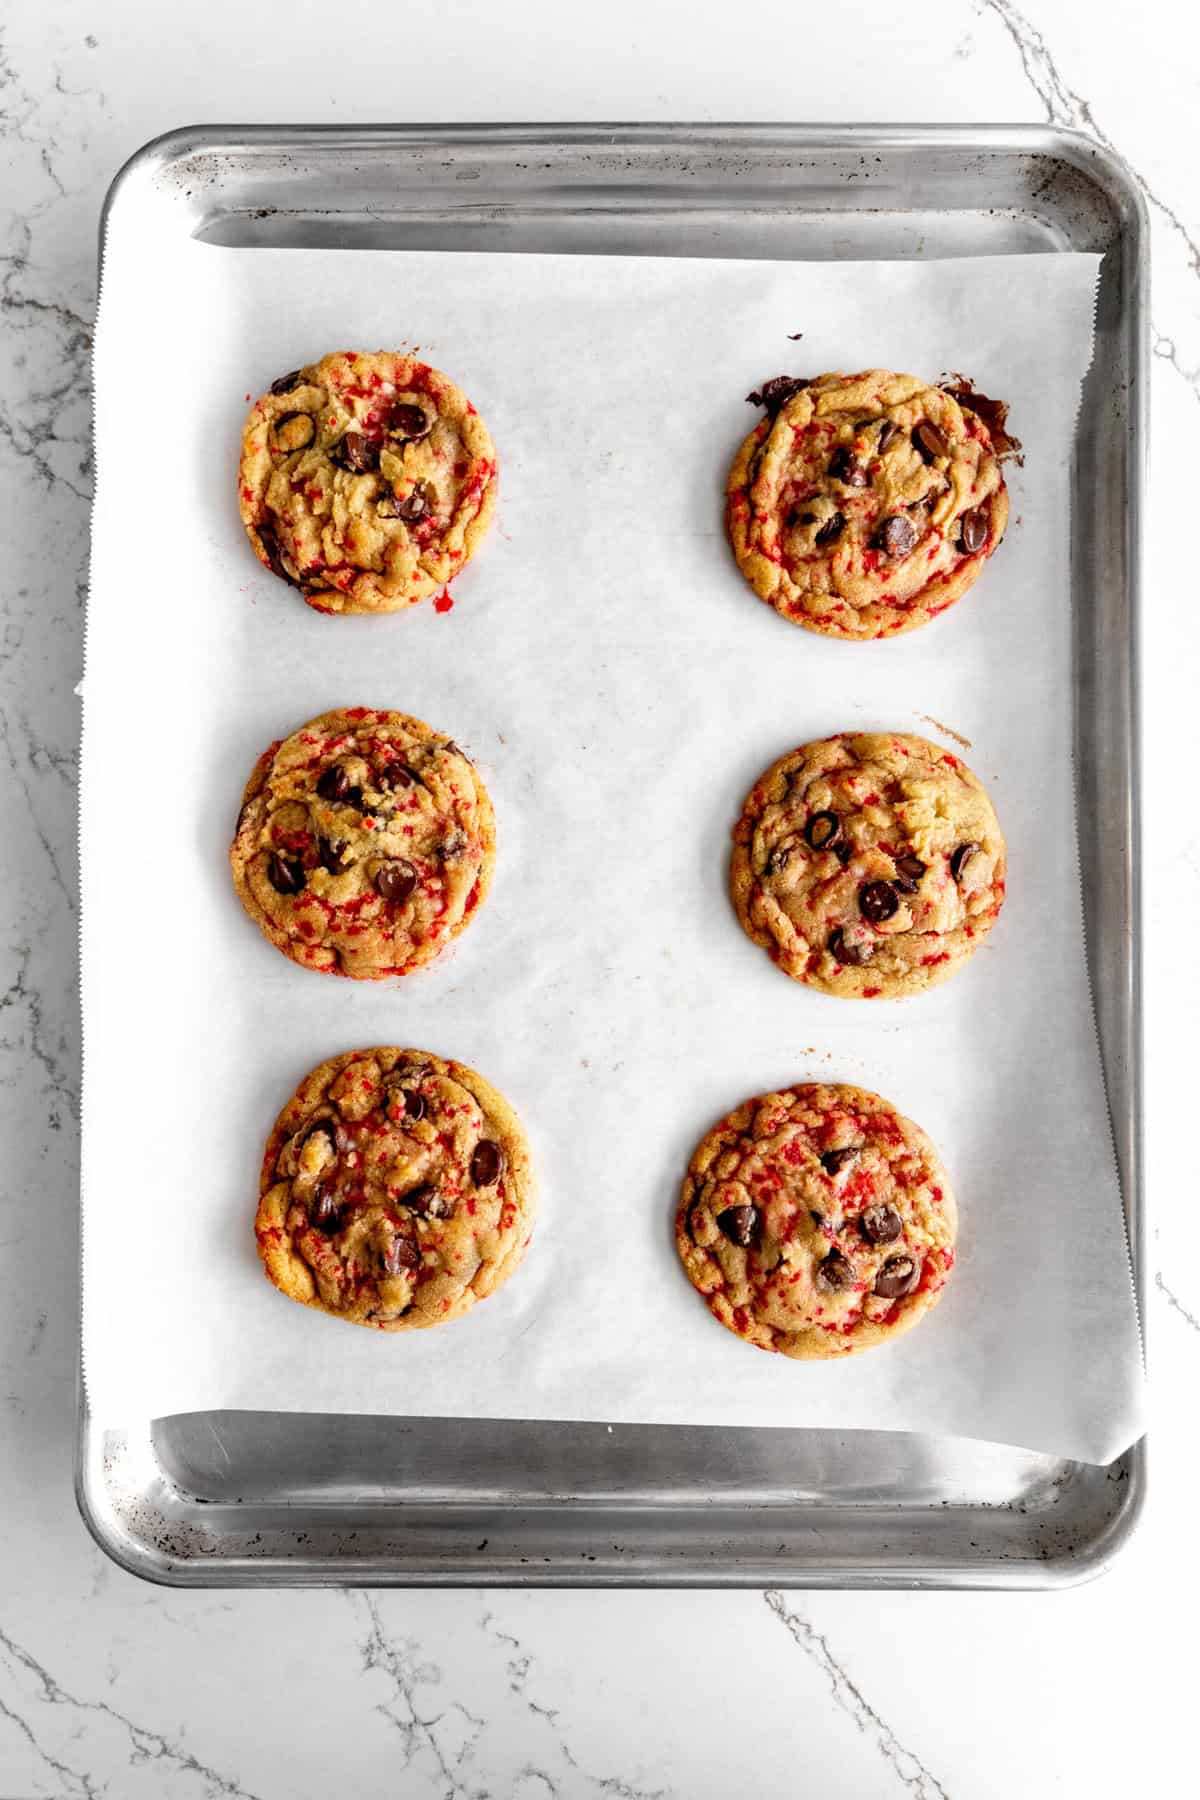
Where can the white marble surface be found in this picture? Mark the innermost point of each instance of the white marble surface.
(112, 1688)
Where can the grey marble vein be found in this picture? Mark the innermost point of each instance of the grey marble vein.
(908, 1768)
(1064, 106)
(19, 1670)
(1174, 1301)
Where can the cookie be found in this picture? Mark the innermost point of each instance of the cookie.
(870, 864)
(366, 481)
(365, 843)
(817, 1221)
(863, 505)
(396, 1190)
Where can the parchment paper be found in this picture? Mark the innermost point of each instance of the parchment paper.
(621, 688)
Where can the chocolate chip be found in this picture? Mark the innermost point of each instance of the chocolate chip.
(270, 543)
(742, 1225)
(961, 857)
(898, 1276)
(286, 383)
(334, 783)
(833, 1160)
(836, 1271)
(394, 776)
(323, 1128)
(880, 1224)
(804, 518)
(409, 422)
(909, 870)
(993, 413)
(831, 530)
(891, 431)
(325, 1213)
(487, 1160)
(973, 530)
(429, 1201)
(357, 453)
(331, 852)
(844, 853)
(896, 536)
(776, 393)
(778, 861)
(851, 956)
(822, 830)
(285, 873)
(844, 467)
(401, 1253)
(414, 506)
(877, 901)
(818, 1218)
(388, 507)
(414, 1104)
(929, 441)
(395, 880)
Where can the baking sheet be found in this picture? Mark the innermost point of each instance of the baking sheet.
(621, 688)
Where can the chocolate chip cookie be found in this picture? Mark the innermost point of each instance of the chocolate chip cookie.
(365, 843)
(863, 505)
(396, 1190)
(817, 1221)
(366, 481)
(870, 864)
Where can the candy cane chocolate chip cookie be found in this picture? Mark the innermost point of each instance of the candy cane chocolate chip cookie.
(365, 843)
(870, 864)
(396, 1190)
(817, 1221)
(366, 481)
(863, 505)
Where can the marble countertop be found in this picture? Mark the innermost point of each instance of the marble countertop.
(112, 1688)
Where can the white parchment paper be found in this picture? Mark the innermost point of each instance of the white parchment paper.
(621, 688)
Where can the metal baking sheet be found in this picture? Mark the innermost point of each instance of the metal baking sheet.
(239, 1498)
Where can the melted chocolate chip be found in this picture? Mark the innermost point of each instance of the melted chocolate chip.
(286, 383)
(334, 783)
(851, 956)
(357, 453)
(896, 536)
(285, 873)
(822, 830)
(891, 431)
(414, 1104)
(414, 506)
(818, 1218)
(395, 880)
(929, 441)
(776, 393)
(880, 1224)
(408, 422)
(844, 853)
(395, 776)
(844, 467)
(778, 861)
(331, 852)
(961, 857)
(898, 1276)
(973, 530)
(804, 518)
(833, 1160)
(877, 901)
(487, 1160)
(401, 1253)
(429, 1201)
(835, 1271)
(270, 543)
(388, 507)
(909, 870)
(742, 1225)
(993, 413)
(325, 1213)
(831, 530)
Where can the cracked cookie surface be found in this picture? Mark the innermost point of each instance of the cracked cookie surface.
(817, 1221)
(870, 864)
(366, 481)
(396, 1190)
(365, 843)
(863, 505)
